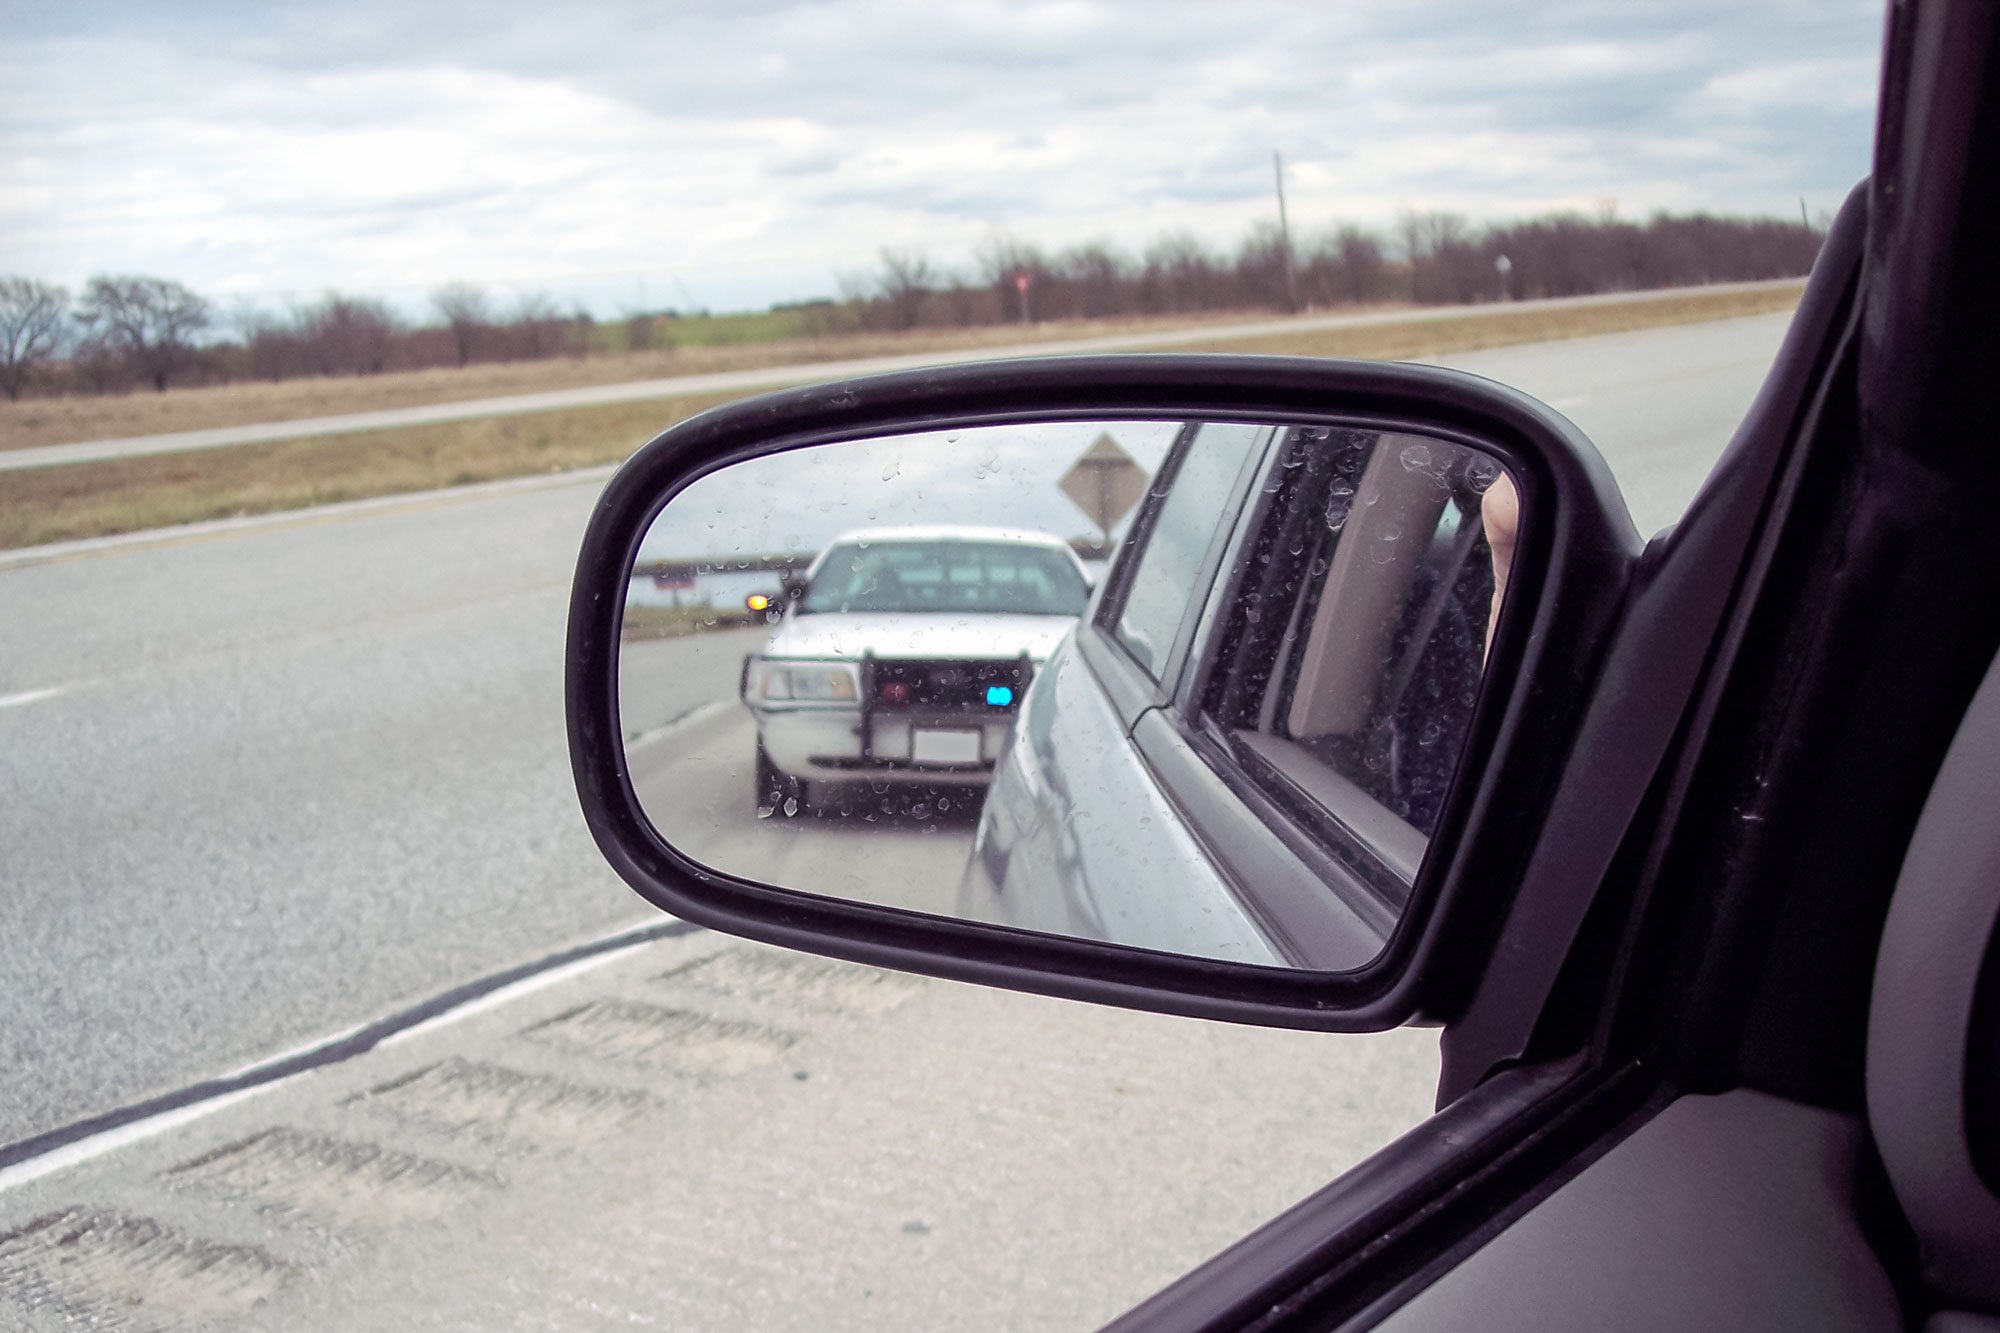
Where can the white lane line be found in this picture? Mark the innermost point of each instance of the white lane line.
(32, 696)
(644, 739)
(111, 1140)
(508, 994)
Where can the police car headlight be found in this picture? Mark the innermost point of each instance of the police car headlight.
(817, 682)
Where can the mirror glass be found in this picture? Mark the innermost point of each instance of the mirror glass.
(1199, 687)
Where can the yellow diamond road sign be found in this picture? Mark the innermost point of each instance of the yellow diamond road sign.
(1105, 483)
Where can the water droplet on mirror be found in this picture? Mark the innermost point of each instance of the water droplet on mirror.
(764, 812)
(1415, 457)
(791, 805)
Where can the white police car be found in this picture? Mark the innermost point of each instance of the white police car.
(902, 657)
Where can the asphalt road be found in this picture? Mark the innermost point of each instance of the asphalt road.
(261, 785)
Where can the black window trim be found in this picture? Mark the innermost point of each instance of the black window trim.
(1101, 629)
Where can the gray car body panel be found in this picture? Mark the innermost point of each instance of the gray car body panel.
(1078, 839)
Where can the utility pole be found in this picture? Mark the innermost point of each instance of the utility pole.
(1804, 221)
(1285, 234)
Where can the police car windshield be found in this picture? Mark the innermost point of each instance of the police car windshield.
(959, 577)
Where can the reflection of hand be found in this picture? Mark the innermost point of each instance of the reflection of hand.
(1500, 515)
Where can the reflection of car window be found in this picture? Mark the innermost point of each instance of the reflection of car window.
(947, 576)
(1356, 695)
(1197, 495)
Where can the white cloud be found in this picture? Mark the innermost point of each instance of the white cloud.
(757, 151)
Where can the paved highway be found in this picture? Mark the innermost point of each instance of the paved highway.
(261, 785)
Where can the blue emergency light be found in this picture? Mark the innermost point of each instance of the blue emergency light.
(999, 696)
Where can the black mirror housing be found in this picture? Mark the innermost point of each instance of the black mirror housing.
(1571, 567)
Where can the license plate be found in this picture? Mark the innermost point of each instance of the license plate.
(944, 747)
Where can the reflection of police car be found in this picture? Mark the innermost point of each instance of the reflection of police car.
(905, 656)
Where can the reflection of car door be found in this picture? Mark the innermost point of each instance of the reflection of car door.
(1310, 742)
(1076, 837)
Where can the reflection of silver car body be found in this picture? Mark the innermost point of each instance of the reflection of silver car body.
(1132, 808)
(907, 656)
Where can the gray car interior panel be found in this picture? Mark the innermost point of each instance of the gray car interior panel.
(1738, 1210)
(1348, 650)
(1729, 1211)
(1958, 1321)
(1936, 941)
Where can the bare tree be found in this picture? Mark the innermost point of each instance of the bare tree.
(347, 335)
(581, 325)
(538, 328)
(1181, 276)
(906, 279)
(1096, 280)
(271, 348)
(32, 315)
(1346, 266)
(1261, 268)
(465, 313)
(151, 322)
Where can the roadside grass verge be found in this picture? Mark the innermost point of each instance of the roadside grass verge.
(129, 494)
(672, 622)
(39, 421)
(124, 495)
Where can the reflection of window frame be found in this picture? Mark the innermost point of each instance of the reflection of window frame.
(1138, 544)
(1314, 907)
(1376, 844)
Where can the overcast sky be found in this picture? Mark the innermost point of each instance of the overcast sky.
(642, 155)
(990, 476)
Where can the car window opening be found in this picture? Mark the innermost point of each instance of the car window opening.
(1351, 680)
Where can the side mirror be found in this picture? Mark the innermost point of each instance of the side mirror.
(1266, 773)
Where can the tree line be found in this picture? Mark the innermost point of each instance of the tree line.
(124, 332)
(1428, 259)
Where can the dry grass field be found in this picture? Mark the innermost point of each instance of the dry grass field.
(89, 499)
(39, 421)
